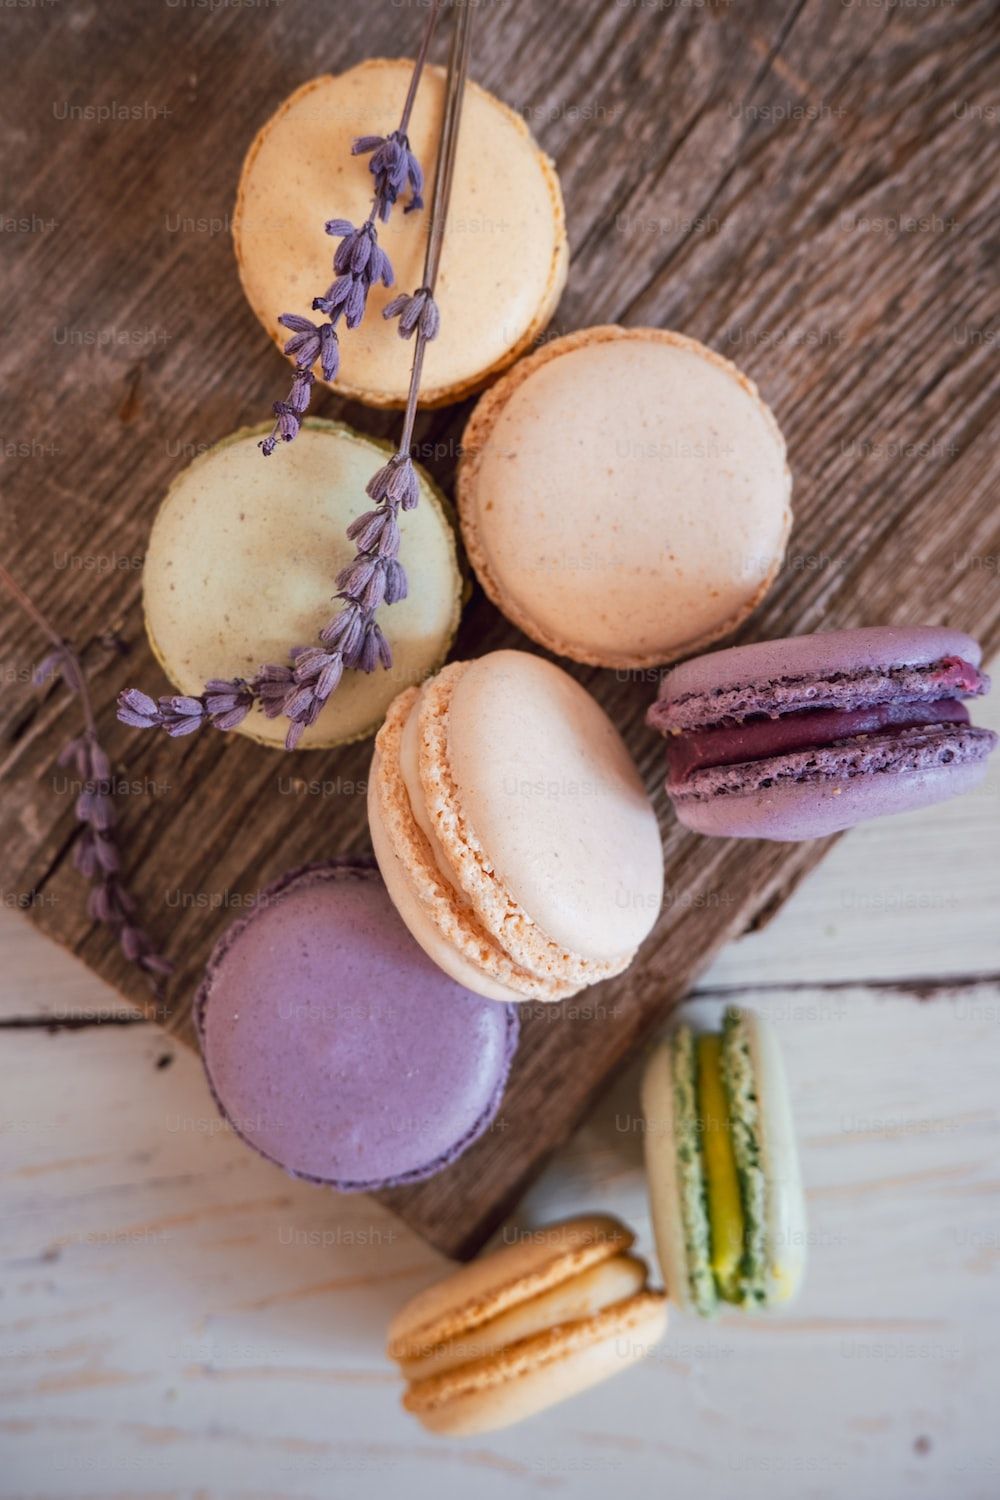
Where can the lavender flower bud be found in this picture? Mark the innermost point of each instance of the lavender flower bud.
(367, 529)
(288, 422)
(329, 678)
(132, 942)
(47, 668)
(395, 582)
(403, 488)
(295, 732)
(380, 267)
(388, 545)
(430, 319)
(354, 578)
(329, 351)
(378, 485)
(343, 625)
(298, 703)
(138, 709)
(301, 393)
(361, 252)
(373, 593)
(99, 904)
(354, 307)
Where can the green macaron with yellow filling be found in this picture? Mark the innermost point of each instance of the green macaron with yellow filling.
(725, 1187)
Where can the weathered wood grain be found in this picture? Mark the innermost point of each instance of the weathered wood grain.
(807, 187)
(178, 1319)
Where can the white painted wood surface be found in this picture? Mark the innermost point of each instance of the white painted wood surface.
(178, 1319)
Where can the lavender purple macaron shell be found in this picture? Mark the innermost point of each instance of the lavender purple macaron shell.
(878, 648)
(335, 1047)
(820, 792)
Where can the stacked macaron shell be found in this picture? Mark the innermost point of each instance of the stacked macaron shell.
(624, 496)
(505, 255)
(796, 738)
(335, 1048)
(241, 565)
(512, 829)
(526, 1327)
(725, 1189)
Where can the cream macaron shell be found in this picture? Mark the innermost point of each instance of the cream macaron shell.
(505, 254)
(660, 1143)
(624, 496)
(511, 814)
(527, 1326)
(242, 561)
(787, 1224)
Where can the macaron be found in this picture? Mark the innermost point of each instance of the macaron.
(512, 829)
(335, 1048)
(242, 562)
(797, 738)
(624, 496)
(526, 1327)
(721, 1156)
(505, 253)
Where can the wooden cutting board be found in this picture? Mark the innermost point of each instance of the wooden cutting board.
(806, 187)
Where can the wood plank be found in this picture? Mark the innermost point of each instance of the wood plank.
(177, 1317)
(737, 172)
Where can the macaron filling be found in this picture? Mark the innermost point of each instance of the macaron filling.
(835, 723)
(723, 1190)
(580, 1296)
(733, 742)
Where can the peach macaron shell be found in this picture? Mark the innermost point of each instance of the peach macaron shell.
(517, 539)
(526, 1326)
(299, 172)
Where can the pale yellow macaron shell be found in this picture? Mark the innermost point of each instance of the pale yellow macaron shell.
(505, 253)
(624, 496)
(242, 560)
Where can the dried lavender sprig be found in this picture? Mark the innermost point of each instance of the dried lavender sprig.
(352, 639)
(359, 261)
(96, 853)
(376, 576)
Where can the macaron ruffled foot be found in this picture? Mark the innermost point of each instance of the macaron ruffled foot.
(512, 829)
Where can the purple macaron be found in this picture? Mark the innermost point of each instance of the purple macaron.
(335, 1047)
(797, 738)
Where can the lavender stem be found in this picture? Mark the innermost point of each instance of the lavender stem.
(96, 854)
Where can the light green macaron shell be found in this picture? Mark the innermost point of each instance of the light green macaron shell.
(744, 1129)
(242, 562)
(691, 1174)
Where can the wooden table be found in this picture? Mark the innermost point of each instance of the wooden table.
(178, 1319)
(807, 187)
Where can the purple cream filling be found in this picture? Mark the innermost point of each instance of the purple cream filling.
(736, 743)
